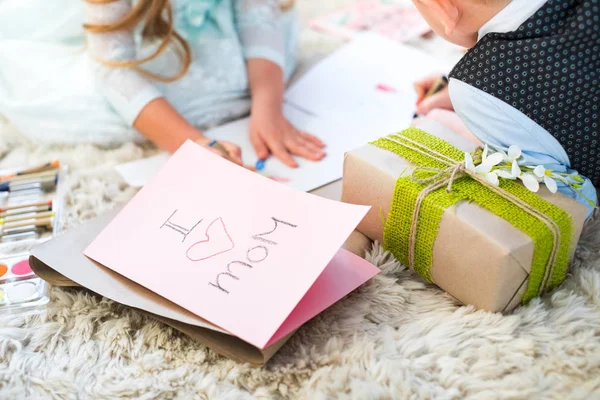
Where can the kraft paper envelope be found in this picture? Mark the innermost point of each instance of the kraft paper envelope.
(231, 246)
(61, 262)
(478, 257)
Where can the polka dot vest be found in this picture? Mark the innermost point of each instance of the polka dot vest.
(549, 69)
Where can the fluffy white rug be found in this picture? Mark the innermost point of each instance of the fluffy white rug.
(396, 337)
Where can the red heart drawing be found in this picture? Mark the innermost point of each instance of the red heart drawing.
(210, 247)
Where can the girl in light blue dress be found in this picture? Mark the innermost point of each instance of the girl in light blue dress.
(106, 71)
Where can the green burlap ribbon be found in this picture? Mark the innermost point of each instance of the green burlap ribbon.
(439, 181)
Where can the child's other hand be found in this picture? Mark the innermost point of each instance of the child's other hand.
(438, 100)
(233, 154)
(271, 132)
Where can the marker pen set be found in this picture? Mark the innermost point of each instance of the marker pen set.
(30, 206)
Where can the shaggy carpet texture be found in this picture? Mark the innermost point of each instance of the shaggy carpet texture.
(395, 337)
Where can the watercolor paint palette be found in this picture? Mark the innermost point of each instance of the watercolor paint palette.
(30, 213)
(19, 285)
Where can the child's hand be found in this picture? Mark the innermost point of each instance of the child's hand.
(271, 132)
(438, 100)
(233, 152)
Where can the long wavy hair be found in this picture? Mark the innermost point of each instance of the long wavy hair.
(156, 18)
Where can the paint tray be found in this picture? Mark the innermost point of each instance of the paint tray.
(21, 290)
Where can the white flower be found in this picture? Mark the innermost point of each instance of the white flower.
(492, 177)
(505, 165)
(514, 153)
(546, 176)
(530, 181)
(493, 159)
(469, 164)
(485, 168)
(515, 172)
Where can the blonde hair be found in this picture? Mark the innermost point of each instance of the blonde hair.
(157, 19)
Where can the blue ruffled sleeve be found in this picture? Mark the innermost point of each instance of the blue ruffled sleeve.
(262, 29)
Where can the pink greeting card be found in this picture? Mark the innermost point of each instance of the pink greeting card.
(387, 18)
(233, 247)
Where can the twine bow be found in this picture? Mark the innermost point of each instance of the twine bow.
(446, 177)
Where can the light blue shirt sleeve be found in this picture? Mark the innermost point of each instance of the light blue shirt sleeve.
(125, 89)
(500, 125)
(262, 29)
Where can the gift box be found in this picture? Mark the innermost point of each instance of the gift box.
(479, 257)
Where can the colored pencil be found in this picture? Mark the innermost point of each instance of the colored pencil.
(44, 184)
(26, 180)
(29, 176)
(26, 210)
(40, 168)
(32, 223)
(13, 209)
(437, 87)
(260, 165)
(18, 231)
(219, 147)
(29, 222)
(20, 217)
(19, 206)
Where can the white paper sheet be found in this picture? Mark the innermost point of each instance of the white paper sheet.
(137, 173)
(367, 83)
(310, 175)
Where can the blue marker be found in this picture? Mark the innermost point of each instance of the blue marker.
(260, 165)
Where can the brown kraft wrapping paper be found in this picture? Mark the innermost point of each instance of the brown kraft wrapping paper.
(478, 258)
(61, 262)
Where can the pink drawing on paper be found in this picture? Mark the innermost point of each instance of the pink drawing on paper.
(278, 179)
(382, 87)
(218, 241)
(274, 178)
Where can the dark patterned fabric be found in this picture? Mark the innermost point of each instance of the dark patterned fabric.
(549, 69)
